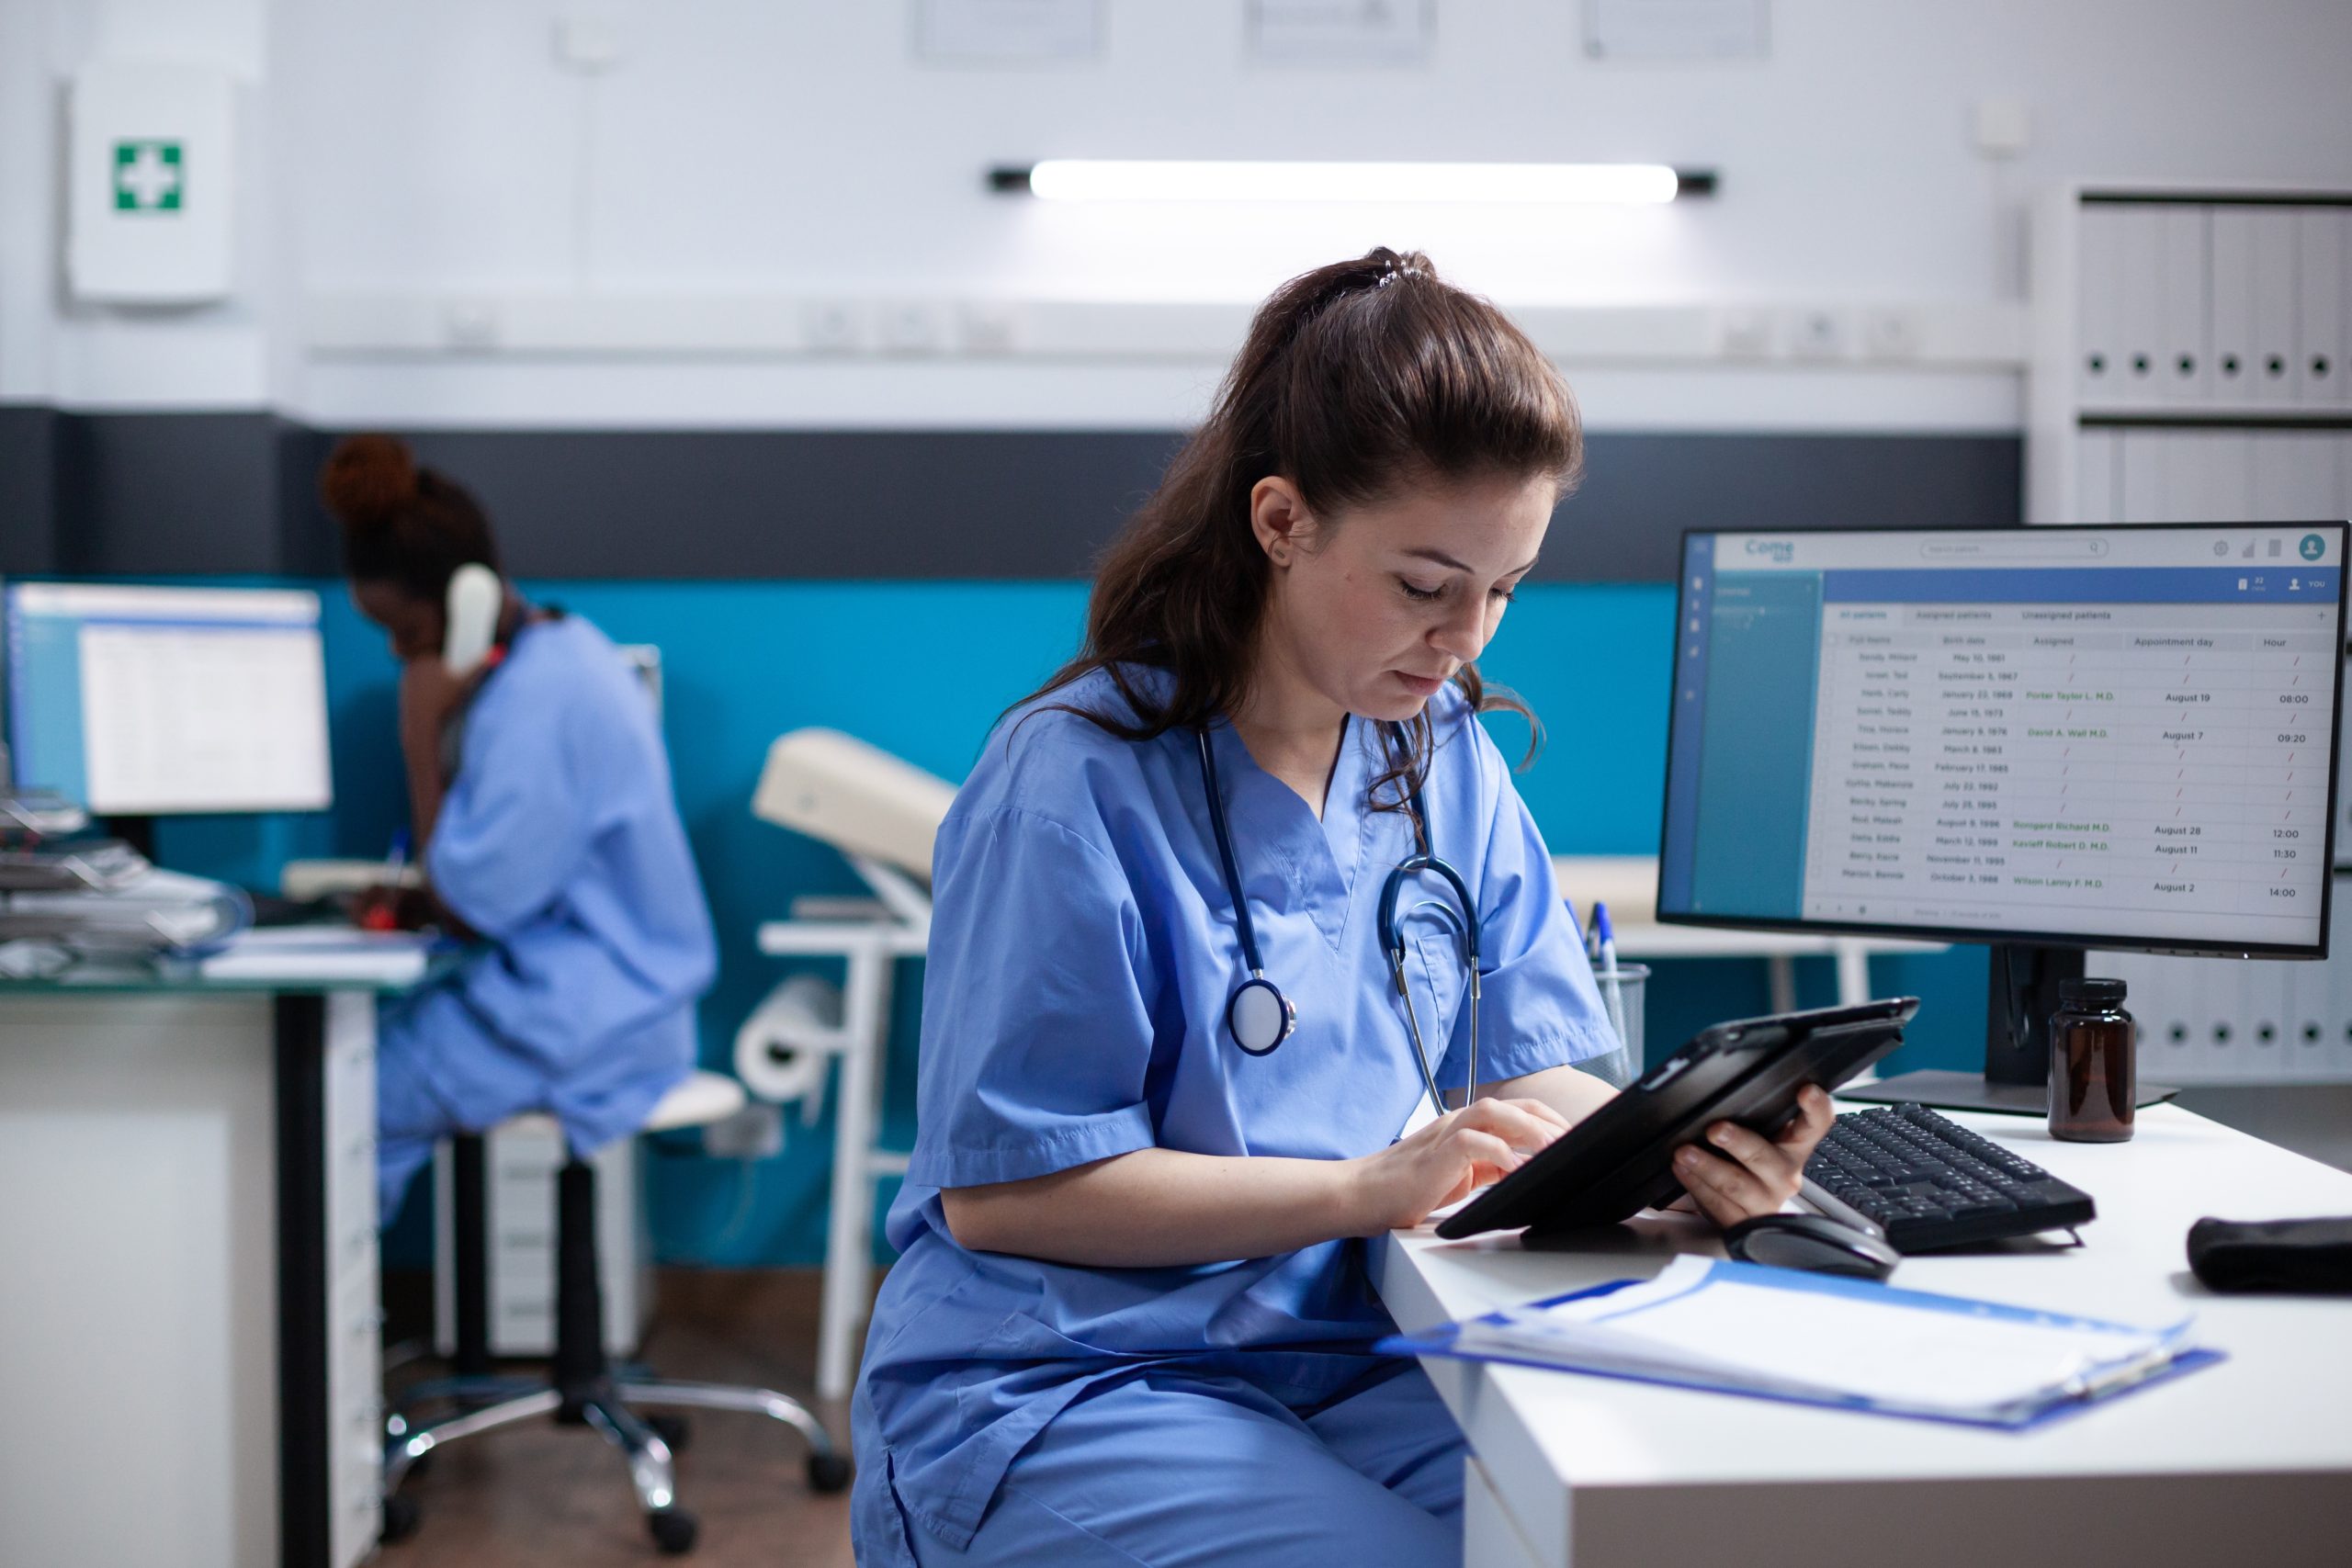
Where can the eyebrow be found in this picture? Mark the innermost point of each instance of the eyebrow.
(1441, 559)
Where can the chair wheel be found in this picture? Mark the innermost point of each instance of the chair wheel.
(672, 1430)
(828, 1473)
(400, 1520)
(673, 1532)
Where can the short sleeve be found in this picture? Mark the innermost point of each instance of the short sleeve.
(515, 824)
(1540, 1008)
(1036, 1027)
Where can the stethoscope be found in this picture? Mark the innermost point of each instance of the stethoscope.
(1261, 1018)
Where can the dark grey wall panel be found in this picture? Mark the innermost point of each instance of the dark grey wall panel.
(1640, 491)
(28, 488)
(169, 493)
(802, 504)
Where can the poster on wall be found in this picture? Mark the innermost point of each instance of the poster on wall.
(1342, 32)
(1003, 32)
(1675, 29)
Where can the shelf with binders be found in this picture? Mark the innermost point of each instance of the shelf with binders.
(2192, 355)
(2239, 1022)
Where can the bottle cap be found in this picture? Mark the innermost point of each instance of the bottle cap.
(2090, 990)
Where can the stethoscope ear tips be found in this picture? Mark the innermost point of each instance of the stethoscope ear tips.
(1258, 1016)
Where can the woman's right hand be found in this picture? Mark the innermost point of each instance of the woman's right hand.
(1446, 1160)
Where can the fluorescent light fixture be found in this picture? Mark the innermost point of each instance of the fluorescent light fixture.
(1090, 179)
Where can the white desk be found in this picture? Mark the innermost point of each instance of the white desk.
(2249, 1462)
(188, 1309)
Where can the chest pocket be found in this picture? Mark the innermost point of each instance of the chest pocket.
(1436, 979)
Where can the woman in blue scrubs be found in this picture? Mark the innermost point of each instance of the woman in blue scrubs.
(542, 812)
(1131, 1320)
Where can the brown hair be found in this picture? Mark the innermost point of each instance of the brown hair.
(1356, 377)
(402, 523)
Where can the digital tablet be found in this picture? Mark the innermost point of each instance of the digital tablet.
(1619, 1160)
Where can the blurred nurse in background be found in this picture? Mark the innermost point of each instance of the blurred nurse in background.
(542, 817)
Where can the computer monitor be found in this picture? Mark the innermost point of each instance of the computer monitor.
(2047, 740)
(144, 701)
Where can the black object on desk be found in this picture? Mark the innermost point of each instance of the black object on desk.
(2311, 1256)
(1619, 1160)
(1926, 1182)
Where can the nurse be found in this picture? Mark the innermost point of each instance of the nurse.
(541, 812)
(1131, 1320)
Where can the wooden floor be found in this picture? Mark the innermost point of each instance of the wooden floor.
(538, 1496)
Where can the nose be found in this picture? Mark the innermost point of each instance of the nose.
(1461, 635)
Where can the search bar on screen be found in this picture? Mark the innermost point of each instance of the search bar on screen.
(2073, 547)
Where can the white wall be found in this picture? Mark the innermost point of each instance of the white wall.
(759, 148)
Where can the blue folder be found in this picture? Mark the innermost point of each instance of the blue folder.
(2171, 1361)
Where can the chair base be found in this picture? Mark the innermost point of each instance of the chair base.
(584, 1389)
(611, 1408)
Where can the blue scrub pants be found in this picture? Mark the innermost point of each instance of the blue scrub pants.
(1172, 1469)
(410, 1116)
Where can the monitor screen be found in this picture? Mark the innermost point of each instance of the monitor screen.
(2097, 737)
(167, 700)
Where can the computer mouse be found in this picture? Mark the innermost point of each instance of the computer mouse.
(1811, 1241)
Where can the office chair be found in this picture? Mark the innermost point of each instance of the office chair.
(583, 1388)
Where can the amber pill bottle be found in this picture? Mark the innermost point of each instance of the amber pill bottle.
(2092, 1075)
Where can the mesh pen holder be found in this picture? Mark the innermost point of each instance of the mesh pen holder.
(1622, 1067)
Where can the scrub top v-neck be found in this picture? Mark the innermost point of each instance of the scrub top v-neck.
(1083, 947)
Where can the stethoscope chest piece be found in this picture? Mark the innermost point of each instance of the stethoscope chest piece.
(1258, 1016)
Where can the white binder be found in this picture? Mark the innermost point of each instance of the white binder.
(2234, 377)
(2294, 476)
(2274, 243)
(2140, 477)
(2222, 488)
(2097, 454)
(2184, 371)
(2098, 307)
(2321, 285)
(2140, 307)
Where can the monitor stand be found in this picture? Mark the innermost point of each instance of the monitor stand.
(2023, 994)
(138, 831)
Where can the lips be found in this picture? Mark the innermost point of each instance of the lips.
(1425, 686)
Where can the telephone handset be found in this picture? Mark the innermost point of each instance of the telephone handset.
(471, 626)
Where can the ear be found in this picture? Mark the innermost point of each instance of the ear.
(1279, 516)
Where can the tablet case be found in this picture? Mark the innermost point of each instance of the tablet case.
(1618, 1161)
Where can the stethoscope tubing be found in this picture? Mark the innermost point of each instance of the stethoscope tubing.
(1464, 924)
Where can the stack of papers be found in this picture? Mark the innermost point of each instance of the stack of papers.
(1821, 1339)
(322, 952)
(145, 913)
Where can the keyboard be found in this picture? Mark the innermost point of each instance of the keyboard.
(1926, 1182)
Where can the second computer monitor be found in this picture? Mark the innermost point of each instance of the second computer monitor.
(2121, 738)
(138, 701)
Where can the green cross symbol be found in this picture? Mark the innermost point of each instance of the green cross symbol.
(147, 177)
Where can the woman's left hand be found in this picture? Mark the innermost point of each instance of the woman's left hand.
(1746, 1173)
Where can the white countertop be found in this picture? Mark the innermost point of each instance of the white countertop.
(2281, 1402)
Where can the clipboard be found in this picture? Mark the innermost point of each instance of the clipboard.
(1619, 1160)
(2156, 1355)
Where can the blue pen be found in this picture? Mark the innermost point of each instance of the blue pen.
(1611, 991)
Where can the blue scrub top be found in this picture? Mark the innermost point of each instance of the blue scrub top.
(1082, 951)
(560, 841)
